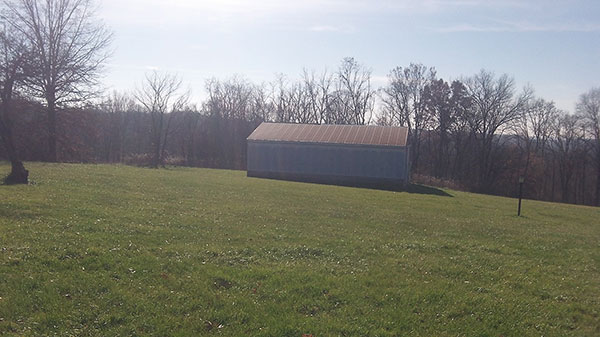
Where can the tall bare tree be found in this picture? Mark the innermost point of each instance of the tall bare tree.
(354, 96)
(161, 96)
(14, 54)
(446, 104)
(279, 99)
(295, 101)
(534, 131)
(230, 99)
(229, 104)
(494, 107)
(318, 88)
(568, 145)
(299, 104)
(262, 108)
(116, 105)
(69, 47)
(190, 122)
(403, 102)
(588, 107)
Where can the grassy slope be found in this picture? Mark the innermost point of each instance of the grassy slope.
(114, 250)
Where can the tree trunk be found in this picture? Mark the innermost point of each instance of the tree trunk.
(583, 175)
(598, 177)
(552, 193)
(485, 150)
(156, 157)
(157, 141)
(52, 157)
(416, 146)
(18, 173)
(122, 132)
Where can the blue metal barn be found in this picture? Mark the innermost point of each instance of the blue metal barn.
(355, 155)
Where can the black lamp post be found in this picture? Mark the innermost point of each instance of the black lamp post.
(521, 181)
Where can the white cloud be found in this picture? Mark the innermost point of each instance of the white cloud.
(520, 27)
(236, 12)
(330, 28)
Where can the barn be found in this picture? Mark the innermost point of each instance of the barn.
(354, 155)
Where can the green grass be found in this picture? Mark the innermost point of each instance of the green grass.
(100, 250)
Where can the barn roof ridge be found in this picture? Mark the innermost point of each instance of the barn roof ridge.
(331, 134)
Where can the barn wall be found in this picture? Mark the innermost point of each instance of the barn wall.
(328, 162)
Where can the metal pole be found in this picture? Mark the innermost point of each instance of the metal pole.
(520, 195)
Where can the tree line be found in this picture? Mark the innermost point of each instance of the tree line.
(477, 133)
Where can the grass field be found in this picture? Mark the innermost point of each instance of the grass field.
(100, 250)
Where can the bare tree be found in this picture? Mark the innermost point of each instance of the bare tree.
(445, 104)
(279, 99)
(299, 104)
(293, 101)
(534, 131)
(320, 96)
(262, 108)
(323, 98)
(14, 53)
(354, 97)
(567, 147)
(230, 99)
(494, 107)
(189, 126)
(230, 104)
(116, 105)
(403, 102)
(69, 47)
(588, 107)
(161, 96)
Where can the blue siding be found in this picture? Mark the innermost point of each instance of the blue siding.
(369, 162)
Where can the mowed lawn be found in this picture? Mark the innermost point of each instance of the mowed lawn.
(103, 250)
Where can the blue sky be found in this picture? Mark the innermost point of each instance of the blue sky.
(552, 45)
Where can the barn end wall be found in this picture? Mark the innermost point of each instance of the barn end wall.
(359, 165)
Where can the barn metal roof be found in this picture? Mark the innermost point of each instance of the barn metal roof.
(331, 133)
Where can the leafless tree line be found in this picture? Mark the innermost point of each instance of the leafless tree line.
(483, 133)
(345, 96)
(478, 132)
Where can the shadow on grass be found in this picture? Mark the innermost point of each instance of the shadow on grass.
(374, 184)
(422, 189)
(410, 188)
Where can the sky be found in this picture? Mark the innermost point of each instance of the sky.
(551, 45)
